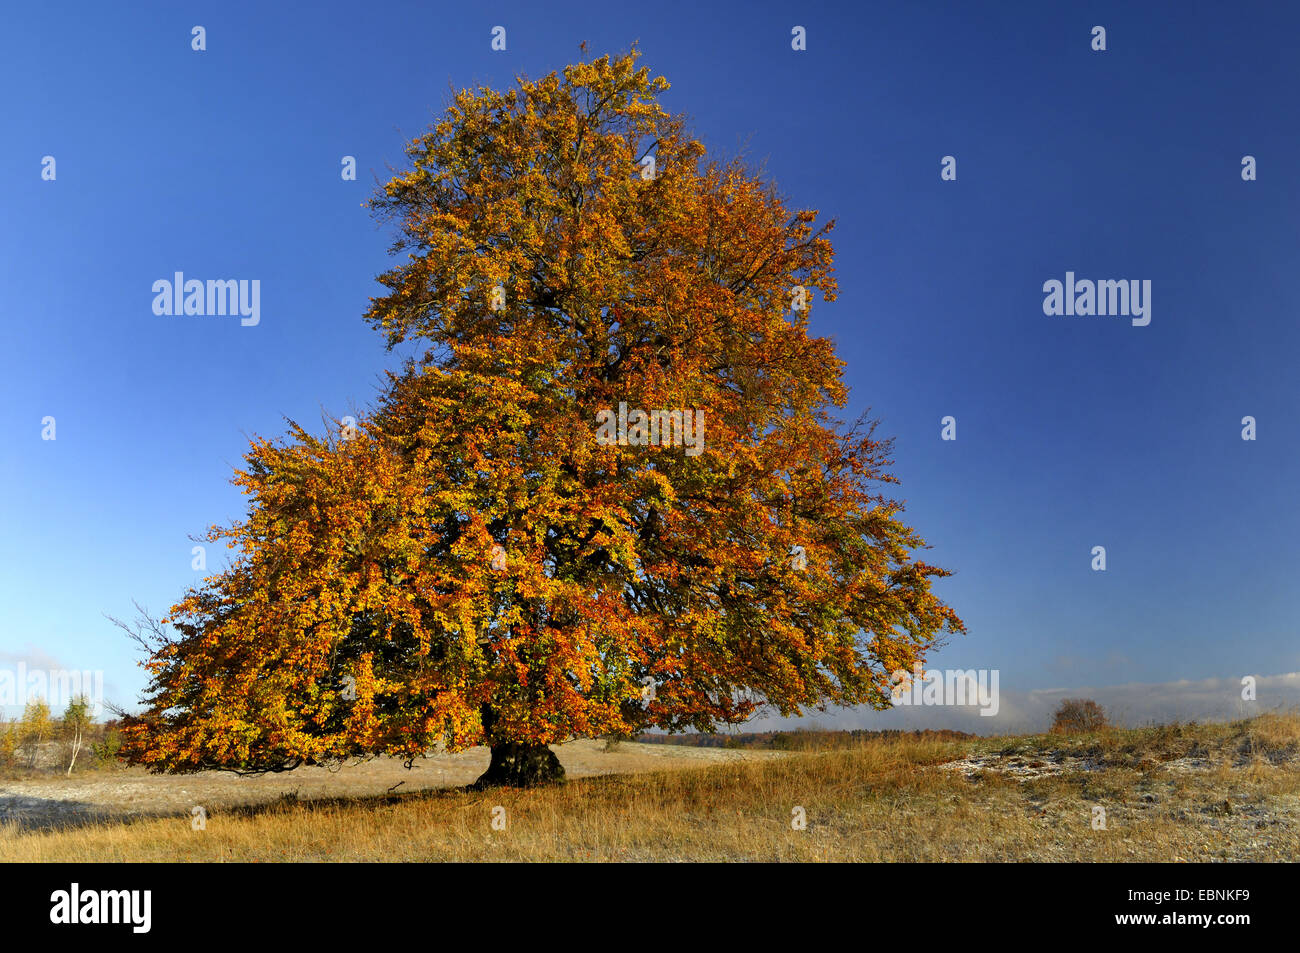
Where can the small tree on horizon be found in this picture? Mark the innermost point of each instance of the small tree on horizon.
(472, 565)
(1078, 715)
(9, 744)
(75, 723)
(34, 728)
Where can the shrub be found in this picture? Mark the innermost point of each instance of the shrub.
(1078, 715)
(106, 752)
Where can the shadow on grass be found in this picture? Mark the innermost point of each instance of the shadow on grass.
(46, 815)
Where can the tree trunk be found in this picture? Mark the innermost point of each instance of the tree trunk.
(521, 766)
(76, 748)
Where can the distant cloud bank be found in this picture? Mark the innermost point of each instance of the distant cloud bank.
(1130, 705)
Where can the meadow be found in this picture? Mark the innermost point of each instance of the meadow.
(1177, 792)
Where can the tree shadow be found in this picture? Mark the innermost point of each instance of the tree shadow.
(37, 814)
(42, 814)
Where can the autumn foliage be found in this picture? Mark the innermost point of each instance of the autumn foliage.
(471, 565)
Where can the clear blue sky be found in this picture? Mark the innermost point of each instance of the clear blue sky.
(1072, 431)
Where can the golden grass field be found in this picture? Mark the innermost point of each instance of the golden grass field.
(1210, 792)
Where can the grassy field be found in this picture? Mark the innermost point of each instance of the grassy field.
(1219, 792)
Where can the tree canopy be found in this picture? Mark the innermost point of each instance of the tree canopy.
(473, 563)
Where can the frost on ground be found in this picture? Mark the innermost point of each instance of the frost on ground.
(1218, 787)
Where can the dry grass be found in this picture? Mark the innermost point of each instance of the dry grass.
(1176, 792)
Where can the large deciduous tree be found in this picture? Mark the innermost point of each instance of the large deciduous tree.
(475, 564)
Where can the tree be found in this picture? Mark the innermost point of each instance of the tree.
(9, 745)
(1075, 715)
(76, 721)
(484, 560)
(34, 729)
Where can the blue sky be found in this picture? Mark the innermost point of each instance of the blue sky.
(1072, 432)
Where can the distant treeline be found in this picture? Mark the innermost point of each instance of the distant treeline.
(797, 740)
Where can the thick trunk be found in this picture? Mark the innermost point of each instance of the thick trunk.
(521, 766)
